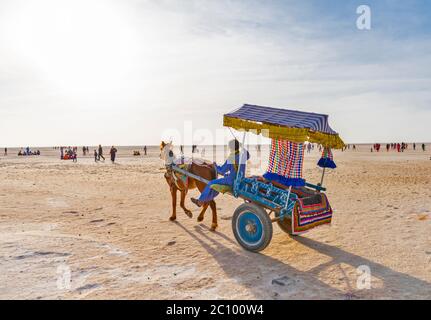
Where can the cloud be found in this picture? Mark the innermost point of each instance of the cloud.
(124, 71)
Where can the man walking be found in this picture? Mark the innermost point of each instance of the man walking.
(100, 153)
(113, 153)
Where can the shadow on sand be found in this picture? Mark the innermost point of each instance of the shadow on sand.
(266, 277)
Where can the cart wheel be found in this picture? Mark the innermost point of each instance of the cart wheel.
(252, 227)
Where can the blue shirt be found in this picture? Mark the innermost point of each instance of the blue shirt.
(229, 168)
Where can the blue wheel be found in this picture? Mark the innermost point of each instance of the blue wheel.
(252, 227)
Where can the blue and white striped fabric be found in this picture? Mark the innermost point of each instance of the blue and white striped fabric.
(283, 117)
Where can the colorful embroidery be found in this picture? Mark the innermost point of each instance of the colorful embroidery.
(286, 162)
(327, 159)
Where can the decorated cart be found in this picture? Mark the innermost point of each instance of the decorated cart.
(281, 195)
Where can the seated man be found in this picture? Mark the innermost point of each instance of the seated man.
(229, 169)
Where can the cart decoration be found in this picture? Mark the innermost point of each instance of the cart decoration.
(292, 125)
(327, 159)
(285, 163)
(296, 205)
(310, 212)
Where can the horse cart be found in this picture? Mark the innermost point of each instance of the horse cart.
(281, 195)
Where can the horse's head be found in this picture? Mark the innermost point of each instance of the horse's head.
(166, 153)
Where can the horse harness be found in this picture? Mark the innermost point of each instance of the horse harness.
(173, 179)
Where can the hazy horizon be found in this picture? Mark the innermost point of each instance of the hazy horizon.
(189, 146)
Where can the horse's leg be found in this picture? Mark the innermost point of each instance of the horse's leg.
(201, 215)
(174, 203)
(183, 197)
(214, 212)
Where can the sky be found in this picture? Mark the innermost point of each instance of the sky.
(132, 72)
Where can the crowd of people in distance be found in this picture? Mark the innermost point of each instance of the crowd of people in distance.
(98, 154)
(310, 147)
(347, 147)
(69, 153)
(399, 147)
(138, 153)
(25, 152)
(85, 151)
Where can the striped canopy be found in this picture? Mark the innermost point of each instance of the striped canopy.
(292, 125)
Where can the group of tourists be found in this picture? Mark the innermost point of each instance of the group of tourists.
(98, 154)
(69, 153)
(399, 147)
(347, 147)
(138, 153)
(310, 147)
(85, 151)
(25, 152)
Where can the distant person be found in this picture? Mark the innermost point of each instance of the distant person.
(145, 150)
(414, 146)
(61, 153)
(100, 153)
(423, 146)
(182, 149)
(5, 151)
(74, 156)
(113, 153)
(84, 151)
(96, 156)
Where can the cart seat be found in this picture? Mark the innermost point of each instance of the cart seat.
(301, 192)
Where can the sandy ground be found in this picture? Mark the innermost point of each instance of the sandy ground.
(97, 230)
